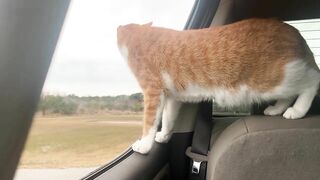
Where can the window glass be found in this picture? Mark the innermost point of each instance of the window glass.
(91, 105)
(310, 30)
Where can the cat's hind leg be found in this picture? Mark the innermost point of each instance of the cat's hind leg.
(302, 104)
(153, 107)
(170, 113)
(279, 107)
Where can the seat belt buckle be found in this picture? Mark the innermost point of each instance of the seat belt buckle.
(196, 166)
(197, 159)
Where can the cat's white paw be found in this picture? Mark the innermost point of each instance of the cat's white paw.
(162, 137)
(272, 111)
(292, 113)
(143, 146)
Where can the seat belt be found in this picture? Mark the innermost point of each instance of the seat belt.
(198, 151)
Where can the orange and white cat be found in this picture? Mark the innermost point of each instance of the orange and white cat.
(249, 61)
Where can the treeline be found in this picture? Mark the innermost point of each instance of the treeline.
(71, 104)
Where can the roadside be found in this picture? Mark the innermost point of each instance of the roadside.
(52, 174)
(79, 141)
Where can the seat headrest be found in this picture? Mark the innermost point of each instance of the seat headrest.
(265, 147)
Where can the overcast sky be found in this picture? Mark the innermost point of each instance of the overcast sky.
(87, 61)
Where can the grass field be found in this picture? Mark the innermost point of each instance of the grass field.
(79, 141)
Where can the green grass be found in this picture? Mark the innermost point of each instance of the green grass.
(78, 141)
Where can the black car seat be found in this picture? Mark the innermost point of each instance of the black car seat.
(265, 148)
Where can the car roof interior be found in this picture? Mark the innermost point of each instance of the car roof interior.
(235, 10)
(253, 147)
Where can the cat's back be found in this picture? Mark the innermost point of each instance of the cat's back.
(253, 52)
(268, 36)
(258, 40)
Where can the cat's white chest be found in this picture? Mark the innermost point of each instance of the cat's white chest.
(124, 52)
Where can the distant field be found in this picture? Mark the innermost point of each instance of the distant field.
(79, 141)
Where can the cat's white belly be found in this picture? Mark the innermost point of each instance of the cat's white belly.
(222, 96)
(241, 96)
(297, 77)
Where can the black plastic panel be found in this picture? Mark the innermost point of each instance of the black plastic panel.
(29, 31)
(202, 14)
(179, 162)
(145, 167)
(282, 9)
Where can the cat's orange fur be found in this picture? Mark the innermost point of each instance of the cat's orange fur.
(252, 51)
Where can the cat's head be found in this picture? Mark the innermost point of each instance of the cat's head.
(126, 32)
